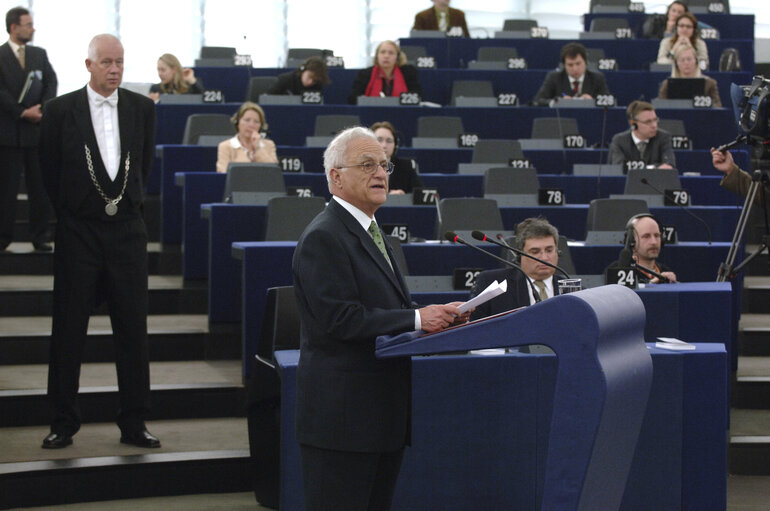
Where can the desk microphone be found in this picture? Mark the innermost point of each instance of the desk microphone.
(454, 238)
(669, 197)
(626, 261)
(483, 237)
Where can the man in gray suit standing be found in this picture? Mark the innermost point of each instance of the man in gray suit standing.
(353, 409)
(644, 141)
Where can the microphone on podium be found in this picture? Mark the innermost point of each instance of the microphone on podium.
(483, 237)
(454, 238)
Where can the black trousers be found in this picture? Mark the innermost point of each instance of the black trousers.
(14, 161)
(97, 261)
(349, 481)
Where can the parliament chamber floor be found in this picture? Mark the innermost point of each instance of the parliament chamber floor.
(211, 264)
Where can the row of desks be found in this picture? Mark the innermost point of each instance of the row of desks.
(626, 84)
(730, 26)
(208, 254)
(171, 159)
(690, 311)
(181, 196)
(291, 125)
(636, 54)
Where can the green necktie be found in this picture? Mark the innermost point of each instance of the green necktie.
(377, 237)
(541, 287)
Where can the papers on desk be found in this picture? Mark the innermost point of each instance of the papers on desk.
(494, 289)
(670, 343)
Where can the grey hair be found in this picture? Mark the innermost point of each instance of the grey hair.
(334, 156)
(534, 228)
(93, 46)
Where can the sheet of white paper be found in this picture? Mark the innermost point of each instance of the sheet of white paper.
(674, 346)
(672, 340)
(494, 289)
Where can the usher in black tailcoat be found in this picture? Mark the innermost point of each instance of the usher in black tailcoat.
(98, 257)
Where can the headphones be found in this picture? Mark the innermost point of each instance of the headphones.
(634, 109)
(629, 239)
(236, 118)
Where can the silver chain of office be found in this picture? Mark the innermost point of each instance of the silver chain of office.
(111, 208)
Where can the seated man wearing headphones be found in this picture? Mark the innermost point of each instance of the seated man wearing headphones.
(644, 240)
(534, 236)
(644, 141)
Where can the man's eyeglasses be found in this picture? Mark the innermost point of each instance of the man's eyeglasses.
(649, 121)
(370, 167)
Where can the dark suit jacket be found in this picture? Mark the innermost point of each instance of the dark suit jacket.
(427, 20)
(516, 296)
(362, 80)
(659, 149)
(557, 84)
(13, 130)
(67, 126)
(347, 399)
(404, 176)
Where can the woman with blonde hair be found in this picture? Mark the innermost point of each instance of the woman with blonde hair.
(686, 66)
(389, 75)
(174, 79)
(249, 143)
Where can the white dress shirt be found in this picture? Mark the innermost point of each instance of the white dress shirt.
(364, 219)
(104, 117)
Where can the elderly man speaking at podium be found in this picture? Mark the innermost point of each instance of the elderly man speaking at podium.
(353, 410)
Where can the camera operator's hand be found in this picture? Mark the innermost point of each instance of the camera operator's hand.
(723, 161)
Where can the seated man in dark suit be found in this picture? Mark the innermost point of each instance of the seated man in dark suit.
(573, 81)
(442, 17)
(644, 241)
(353, 409)
(644, 141)
(536, 237)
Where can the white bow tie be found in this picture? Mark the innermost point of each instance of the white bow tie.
(112, 100)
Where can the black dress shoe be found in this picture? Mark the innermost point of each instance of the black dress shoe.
(57, 441)
(140, 439)
(43, 246)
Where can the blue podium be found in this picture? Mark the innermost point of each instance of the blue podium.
(480, 427)
(602, 384)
